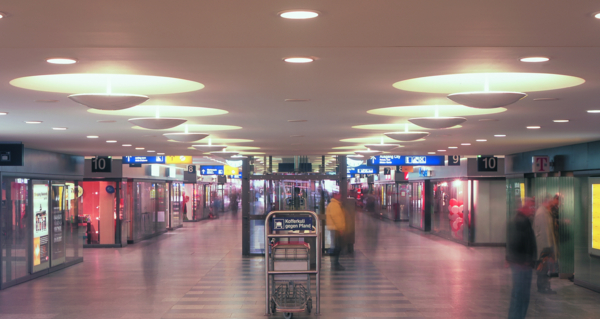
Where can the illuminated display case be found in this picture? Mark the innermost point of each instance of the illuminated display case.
(594, 245)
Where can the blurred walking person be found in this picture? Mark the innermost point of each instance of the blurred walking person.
(336, 221)
(546, 237)
(521, 254)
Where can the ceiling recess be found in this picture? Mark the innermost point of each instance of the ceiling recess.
(157, 123)
(108, 101)
(486, 99)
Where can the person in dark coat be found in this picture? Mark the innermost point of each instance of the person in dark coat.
(521, 254)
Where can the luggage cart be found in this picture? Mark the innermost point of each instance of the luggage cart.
(287, 266)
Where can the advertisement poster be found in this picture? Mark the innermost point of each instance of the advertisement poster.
(41, 223)
(595, 216)
(58, 248)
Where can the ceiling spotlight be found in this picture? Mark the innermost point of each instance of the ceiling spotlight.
(597, 15)
(157, 123)
(111, 141)
(560, 121)
(441, 150)
(382, 147)
(108, 101)
(500, 135)
(486, 99)
(430, 152)
(437, 122)
(139, 148)
(33, 122)
(299, 14)
(59, 128)
(3, 113)
(126, 145)
(593, 111)
(533, 127)
(92, 136)
(3, 15)
(160, 153)
(61, 60)
(298, 59)
(535, 59)
(465, 144)
(151, 151)
(452, 147)
(406, 136)
(481, 140)
(185, 137)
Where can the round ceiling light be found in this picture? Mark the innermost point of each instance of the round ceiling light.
(61, 60)
(3, 113)
(368, 153)
(535, 59)
(185, 137)
(437, 122)
(209, 148)
(406, 136)
(298, 14)
(382, 147)
(299, 59)
(33, 122)
(486, 99)
(597, 15)
(108, 101)
(59, 128)
(224, 154)
(157, 123)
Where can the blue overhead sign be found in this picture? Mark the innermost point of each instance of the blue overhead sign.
(212, 170)
(363, 169)
(144, 159)
(410, 160)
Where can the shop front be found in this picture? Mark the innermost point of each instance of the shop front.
(40, 227)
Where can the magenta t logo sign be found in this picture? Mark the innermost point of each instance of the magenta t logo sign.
(541, 164)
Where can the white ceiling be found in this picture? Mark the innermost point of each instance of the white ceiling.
(235, 48)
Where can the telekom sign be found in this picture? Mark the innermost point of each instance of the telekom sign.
(541, 164)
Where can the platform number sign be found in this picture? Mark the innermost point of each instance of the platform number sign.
(101, 164)
(487, 164)
(191, 169)
(453, 160)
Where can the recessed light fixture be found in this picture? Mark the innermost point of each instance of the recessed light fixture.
(299, 59)
(151, 151)
(160, 153)
(139, 148)
(3, 15)
(296, 100)
(481, 140)
(452, 147)
(441, 150)
(61, 60)
(500, 135)
(46, 101)
(533, 127)
(535, 59)
(593, 111)
(560, 121)
(111, 141)
(3, 113)
(92, 136)
(33, 122)
(127, 145)
(59, 128)
(430, 152)
(541, 99)
(296, 121)
(597, 15)
(298, 14)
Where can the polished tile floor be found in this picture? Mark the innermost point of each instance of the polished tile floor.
(198, 272)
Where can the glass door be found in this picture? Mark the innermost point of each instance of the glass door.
(60, 206)
(15, 226)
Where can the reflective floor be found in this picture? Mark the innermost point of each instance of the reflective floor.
(198, 272)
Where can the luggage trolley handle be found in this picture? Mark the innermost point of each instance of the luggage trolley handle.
(316, 272)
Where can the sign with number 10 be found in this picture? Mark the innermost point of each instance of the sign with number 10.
(487, 164)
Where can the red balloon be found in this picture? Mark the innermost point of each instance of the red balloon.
(460, 215)
(453, 202)
(460, 202)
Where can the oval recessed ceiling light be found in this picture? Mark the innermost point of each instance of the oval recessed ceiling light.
(108, 101)
(481, 140)
(157, 123)
(160, 153)
(441, 150)
(465, 144)
(61, 60)
(597, 15)
(299, 14)
(59, 128)
(452, 147)
(111, 141)
(535, 59)
(560, 121)
(593, 111)
(92, 136)
(33, 122)
(541, 99)
(437, 122)
(3, 113)
(139, 148)
(486, 99)
(430, 152)
(151, 151)
(299, 59)
(500, 135)
(185, 137)
(127, 145)
(533, 127)
(296, 121)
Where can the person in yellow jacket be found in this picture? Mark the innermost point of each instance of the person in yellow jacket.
(336, 221)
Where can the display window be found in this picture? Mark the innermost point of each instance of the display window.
(41, 233)
(99, 202)
(416, 208)
(449, 214)
(15, 225)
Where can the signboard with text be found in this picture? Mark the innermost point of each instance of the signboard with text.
(212, 170)
(292, 223)
(540, 164)
(144, 160)
(453, 160)
(179, 159)
(363, 169)
(487, 164)
(402, 160)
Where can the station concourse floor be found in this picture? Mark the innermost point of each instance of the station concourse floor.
(198, 272)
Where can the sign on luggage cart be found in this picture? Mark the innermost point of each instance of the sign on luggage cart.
(295, 223)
